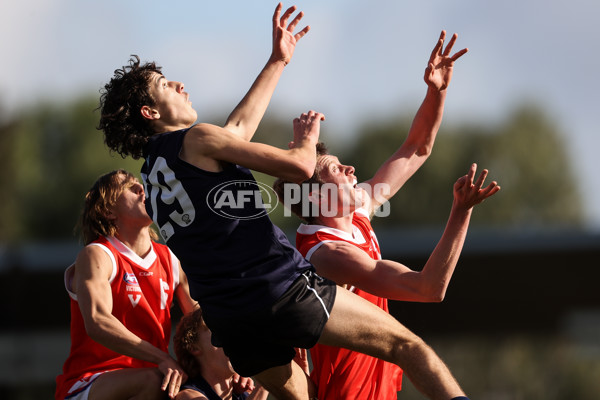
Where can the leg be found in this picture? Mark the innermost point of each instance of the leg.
(130, 383)
(358, 325)
(287, 382)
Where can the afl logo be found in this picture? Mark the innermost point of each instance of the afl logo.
(130, 279)
(242, 200)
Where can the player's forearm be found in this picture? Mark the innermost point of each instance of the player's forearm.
(299, 165)
(426, 123)
(246, 116)
(441, 264)
(116, 337)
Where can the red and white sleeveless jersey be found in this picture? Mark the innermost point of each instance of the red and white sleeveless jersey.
(142, 295)
(339, 373)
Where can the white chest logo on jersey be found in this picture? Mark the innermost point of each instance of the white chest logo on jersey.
(134, 301)
(132, 285)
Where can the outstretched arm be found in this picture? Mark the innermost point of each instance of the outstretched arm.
(421, 137)
(347, 264)
(245, 118)
(296, 164)
(94, 296)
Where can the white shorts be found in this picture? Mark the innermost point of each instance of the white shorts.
(86, 384)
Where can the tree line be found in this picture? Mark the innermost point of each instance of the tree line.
(51, 154)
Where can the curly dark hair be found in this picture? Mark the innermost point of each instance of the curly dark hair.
(125, 130)
(185, 341)
(280, 185)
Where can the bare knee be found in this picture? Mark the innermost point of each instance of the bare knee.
(287, 382)
(150, 389)
(408, 349)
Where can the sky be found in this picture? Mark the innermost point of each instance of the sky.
(360, 60)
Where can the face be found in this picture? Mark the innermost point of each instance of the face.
(172, 109)
(130, 203)
(213, 357)
(332, 171)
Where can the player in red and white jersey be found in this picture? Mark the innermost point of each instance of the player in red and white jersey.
(122, 287)
(341, 244)
(341, 373)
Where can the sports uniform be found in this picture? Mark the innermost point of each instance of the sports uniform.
(240, 266)
(341, 373)
(200, 385)
(142, 294)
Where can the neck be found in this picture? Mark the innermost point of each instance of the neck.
(223, 386)
(137, 239)
(161, 127)
(343, 223)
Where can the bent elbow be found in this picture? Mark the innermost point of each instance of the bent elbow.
(438, 298)
(424, 151)
(434, 296)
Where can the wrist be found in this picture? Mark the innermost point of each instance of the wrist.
(433, 91)
(278, 61)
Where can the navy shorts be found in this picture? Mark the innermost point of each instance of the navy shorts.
(266, 339)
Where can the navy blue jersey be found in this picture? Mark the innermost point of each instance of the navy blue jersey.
(200, 385)
(235, 259)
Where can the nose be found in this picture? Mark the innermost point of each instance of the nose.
(138, 188)
(349, 170)
(179, 87)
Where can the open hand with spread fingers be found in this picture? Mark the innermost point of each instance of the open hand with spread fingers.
(468, 193)
(439, 68)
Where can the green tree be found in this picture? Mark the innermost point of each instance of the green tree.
(53, 154)
(525, 154)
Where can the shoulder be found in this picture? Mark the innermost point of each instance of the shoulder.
(94, 262)
(97, 254)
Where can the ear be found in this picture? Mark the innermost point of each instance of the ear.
(315, 197)
(195, 351)
(110, 215)
(149, 113)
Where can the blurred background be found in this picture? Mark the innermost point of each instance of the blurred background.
(521, 319)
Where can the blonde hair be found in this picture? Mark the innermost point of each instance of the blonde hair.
(99, 201)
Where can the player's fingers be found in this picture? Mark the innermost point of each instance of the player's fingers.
(481, 179)
(276, 15)
(166, 380)
(490, 189)
(438, 46)
(471, 173)
(295, 21)
(459, 54)
(303, 32)
(175, 384)
(286, 15)
(448, 48)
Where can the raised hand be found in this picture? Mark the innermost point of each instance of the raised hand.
(307, 127)
(439, 69)
(284, 39)
(468, 193)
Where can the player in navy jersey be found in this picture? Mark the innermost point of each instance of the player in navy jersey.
(260, 298)
(210, 374)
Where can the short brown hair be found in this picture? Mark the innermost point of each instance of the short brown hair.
(185, 341)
